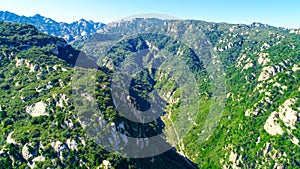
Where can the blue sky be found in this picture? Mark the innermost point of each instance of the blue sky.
(284, 13)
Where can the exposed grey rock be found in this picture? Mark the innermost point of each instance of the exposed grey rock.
(25, 152)
(9, 138)
(272, 126)
(71, 144)
(38, 109)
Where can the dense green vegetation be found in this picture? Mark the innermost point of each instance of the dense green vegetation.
(262, 73)
(50, 59)
(256, 59)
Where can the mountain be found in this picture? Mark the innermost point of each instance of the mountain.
(259, 124)
(227, 96)
(39, 124)
(70, 32)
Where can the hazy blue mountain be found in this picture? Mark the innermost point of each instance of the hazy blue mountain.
(70, 32)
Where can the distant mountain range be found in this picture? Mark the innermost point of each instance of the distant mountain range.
(70, 32)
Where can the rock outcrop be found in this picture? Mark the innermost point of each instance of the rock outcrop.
(286, 114)
(38, 109)
(272, 125)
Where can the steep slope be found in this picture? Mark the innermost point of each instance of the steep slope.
(258, 127)
(260, 122)
(70, 32)
(39, 125)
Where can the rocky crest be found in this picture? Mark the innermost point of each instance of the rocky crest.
(70, 32)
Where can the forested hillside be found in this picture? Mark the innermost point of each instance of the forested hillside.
(44, 121)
